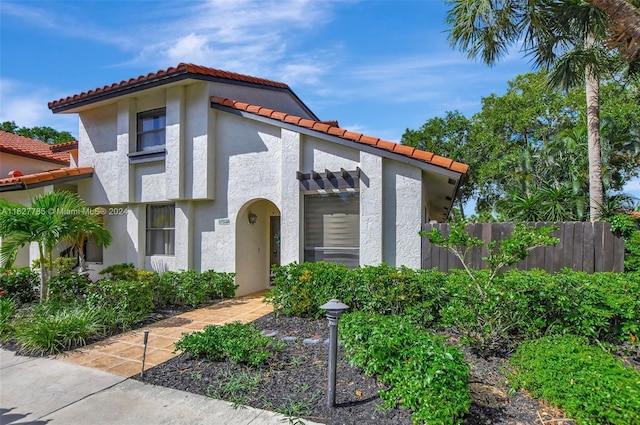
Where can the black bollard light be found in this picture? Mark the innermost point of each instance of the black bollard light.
(334, 309)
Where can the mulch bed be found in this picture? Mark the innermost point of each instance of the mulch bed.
(294, 383)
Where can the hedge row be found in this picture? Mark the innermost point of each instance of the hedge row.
(516, 306)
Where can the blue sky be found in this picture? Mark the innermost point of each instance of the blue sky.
(378, 67)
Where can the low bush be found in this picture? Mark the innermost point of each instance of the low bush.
(236, 342)
(52, 327)
(590, 385)
(520, 305)
(192, 288)
(425, 375)
(7, 312)
(20, 284)
(131, 301)
(300, 289)
(127, 271)
(68, 287)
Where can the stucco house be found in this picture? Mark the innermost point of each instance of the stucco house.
(30, 167)
(199, 168)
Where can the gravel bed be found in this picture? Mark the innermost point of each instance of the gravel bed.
(294, 383)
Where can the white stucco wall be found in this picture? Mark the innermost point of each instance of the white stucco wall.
(218, 167)
(371, 211)
(402, 205)
(10, 162)
(98, 148)
(278, 100)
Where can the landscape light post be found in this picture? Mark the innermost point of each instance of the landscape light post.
(334, 309)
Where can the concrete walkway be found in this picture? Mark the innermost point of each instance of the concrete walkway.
(122, 354)
(92, 386)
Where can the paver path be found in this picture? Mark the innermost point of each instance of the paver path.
(122, 354)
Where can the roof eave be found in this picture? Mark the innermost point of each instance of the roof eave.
(345, 142)
(72, 105)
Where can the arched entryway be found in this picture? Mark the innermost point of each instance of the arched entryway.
(257, 245)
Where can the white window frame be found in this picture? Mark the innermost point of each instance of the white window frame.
(167, 229)
(151, 115)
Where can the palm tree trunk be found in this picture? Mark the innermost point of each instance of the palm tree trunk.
(43, 276)
(596, 191)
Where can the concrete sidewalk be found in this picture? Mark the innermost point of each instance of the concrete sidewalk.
(36, 390)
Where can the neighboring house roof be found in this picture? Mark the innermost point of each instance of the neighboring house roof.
(64, 147)
(45, 178)
(323, 127)
(161, 77)
(31, 148)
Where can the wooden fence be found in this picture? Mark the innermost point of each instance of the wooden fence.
(583, 246)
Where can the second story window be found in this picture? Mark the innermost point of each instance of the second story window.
(151, 129)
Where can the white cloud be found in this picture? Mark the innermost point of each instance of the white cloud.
(26, 105)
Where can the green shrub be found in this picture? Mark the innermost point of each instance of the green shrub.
(237, 342)
(129, 299)
(68, 287)
(521, 305)
(7, 312)
(590, 385)
(425, 375)
(388, 290)
(20, 284)
(123, 271)
(192, 288)
(219, 284)
(52, 328)
(300, 289)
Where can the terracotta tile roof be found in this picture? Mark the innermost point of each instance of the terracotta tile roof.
(180, 70)
(47, 177)
(24, 146)
(64, 147)
(326, 128)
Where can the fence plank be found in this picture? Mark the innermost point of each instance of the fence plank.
(590, 247)
(589, 253)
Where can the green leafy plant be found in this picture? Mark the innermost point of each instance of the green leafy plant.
(131, 301)
(515, 248)
(425, 375)
(234, 387)
(7, 312)
(236, 342)
(68, 286)
(19, 284)
(52, 328)
(192, 288)
(590, 385)
(300, 289)
(627, 226)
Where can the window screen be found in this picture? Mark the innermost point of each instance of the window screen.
(151, 129)
(160, 229)
(332, 228)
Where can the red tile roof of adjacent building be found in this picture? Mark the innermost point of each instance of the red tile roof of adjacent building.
(64, 147)
(326, 128)
(24, 146)
(48, 176)
(183, 68)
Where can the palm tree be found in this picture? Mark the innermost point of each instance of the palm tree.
(624, 30)
(50, 219)
(564, 36)
(84, 226)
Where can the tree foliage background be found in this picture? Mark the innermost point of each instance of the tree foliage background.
(44, 134)
(527, 148)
